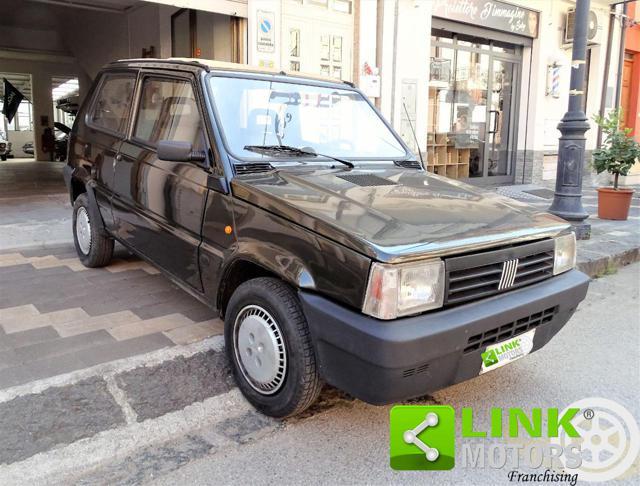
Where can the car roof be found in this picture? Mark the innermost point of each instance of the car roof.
(212, 65)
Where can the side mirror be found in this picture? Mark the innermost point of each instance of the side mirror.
(179, 152)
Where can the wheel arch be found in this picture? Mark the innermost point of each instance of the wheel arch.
(261, 262)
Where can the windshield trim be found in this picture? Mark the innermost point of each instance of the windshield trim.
(306, 82)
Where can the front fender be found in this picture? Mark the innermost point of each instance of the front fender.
(302, 257)
(273, 258)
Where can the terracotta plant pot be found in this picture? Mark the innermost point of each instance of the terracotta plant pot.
(614, 204)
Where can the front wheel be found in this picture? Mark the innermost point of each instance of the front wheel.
(93, 247)
(269, 347)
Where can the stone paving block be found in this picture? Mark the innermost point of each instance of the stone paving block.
(122, 266)
(43, 320)
(32, 336)
(15, 375)
(172, 385)
(199, 314)
(180, 303)
(19, 312)
(61, 346)
(151, 326)
(55, 250)
(8, 358)
(53, 366)
(8, 273)
(61, 415)
(123, 349)
(96, 323)
(196, 332)
(113, 305)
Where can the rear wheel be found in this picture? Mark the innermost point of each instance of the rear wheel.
(93, 247)
(269, 346)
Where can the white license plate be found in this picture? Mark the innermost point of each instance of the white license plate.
(505, 352)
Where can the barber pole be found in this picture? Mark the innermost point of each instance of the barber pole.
(555, 81)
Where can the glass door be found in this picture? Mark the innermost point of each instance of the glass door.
(472, 95)
(470, 110)
(499, 141)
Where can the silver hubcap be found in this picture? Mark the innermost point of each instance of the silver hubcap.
(83, 230)
(259, 349)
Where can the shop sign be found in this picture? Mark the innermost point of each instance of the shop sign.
(266, 32)
(490, 13)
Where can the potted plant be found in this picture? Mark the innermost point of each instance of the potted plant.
(618, 153)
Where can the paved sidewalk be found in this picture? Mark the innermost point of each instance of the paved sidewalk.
(57, 316)
(612, 243)
(34, 205)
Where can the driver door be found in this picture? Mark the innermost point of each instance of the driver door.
(162, 202)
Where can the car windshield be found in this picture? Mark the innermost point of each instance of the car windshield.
(257, 116)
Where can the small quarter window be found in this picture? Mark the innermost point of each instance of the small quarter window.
(168, 111)
(111, 108)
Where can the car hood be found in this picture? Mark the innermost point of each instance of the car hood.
(395, 215)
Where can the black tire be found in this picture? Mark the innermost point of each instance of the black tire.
(3, 158)
(100, 246)
(302, 383)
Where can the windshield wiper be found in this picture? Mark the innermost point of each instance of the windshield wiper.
(274, 150)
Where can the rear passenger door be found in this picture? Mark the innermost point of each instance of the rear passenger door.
(105, 127)
(159, 204)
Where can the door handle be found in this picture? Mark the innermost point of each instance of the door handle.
(496, 114)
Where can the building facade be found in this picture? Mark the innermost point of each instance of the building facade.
(485, 83)
(477, 86)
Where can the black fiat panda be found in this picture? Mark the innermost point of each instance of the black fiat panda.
(289, 204)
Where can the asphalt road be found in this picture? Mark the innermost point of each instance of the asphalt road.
(595, 355)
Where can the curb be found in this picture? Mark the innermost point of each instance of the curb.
(603, 265)
(117, 399)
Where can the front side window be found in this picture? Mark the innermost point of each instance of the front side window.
(111, 108)
(168, 111)
(324, 120)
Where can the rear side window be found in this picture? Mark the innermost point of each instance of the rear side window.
(168, 111)
(111, 108)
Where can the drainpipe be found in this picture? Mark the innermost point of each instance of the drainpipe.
(379, 39)
(395, 57)
(623, 30)
(607, 66)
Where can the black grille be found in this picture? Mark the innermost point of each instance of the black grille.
(415, 371)
(498, 334)
(475, 276)
(367, 180)
(253, 168)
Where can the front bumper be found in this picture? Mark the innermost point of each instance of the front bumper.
(388, 361)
